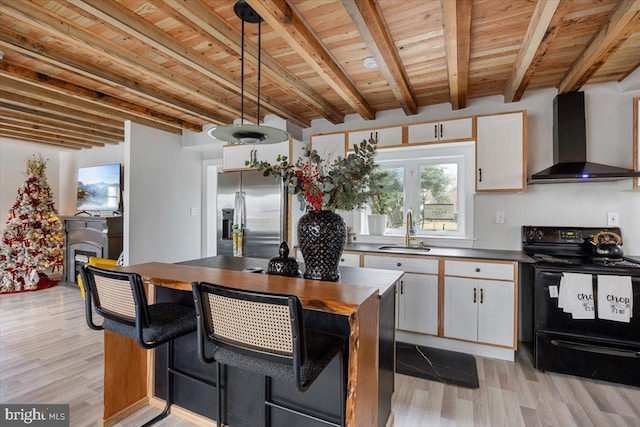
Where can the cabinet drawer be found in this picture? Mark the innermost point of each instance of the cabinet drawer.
(408, 265)
(350, 259)
(484, 270)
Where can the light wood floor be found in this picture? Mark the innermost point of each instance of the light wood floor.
(49, 355)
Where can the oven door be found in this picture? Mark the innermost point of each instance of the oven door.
(607, 360)
(549, 318)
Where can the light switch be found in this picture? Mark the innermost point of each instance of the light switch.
(500, 217)
(194, 211)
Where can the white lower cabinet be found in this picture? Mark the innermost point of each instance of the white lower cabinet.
(480, 310)
(418, 303)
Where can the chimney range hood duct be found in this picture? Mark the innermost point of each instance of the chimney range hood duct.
(570, 147)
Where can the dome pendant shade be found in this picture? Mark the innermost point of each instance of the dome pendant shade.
(245, 133)
(249, 134)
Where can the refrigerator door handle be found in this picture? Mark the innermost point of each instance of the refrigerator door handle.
(240, 210)
(243, 200)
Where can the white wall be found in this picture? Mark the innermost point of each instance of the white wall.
(609, 113)
(13, 155)
(163, 184)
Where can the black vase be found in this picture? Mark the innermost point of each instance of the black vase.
(321, 236)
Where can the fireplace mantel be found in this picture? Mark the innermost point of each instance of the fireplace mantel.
(89, 236)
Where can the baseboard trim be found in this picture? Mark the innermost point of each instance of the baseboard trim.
(126, 412)
(183, 413)
(455, 345)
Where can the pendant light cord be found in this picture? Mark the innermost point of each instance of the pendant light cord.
(259, 65)
(242, 77)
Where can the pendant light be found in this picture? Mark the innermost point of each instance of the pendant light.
(246, 133)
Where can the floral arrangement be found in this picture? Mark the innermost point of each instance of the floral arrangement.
(344, 184)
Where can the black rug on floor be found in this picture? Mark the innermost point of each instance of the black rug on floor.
(434, 364)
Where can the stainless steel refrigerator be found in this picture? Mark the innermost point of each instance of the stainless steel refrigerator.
(257, 202)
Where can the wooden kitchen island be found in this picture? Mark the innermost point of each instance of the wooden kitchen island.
(360, 307)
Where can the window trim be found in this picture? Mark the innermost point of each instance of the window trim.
(461, 153)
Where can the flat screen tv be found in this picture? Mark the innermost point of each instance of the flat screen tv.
(99, 188)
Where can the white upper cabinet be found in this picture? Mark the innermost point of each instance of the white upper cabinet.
(387, 137)
(446, 130)
(234, 157)
(329, 147)
(500, 152)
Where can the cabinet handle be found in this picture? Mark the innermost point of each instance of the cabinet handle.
(481, 295)
(480, 171)
(401, 287)
(441, 132)
(477, 269)
(474, 295)
(399, 264)
(435, 131)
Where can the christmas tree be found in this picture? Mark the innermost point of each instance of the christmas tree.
(32, 239)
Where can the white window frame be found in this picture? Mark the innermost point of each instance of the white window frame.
(463, 154)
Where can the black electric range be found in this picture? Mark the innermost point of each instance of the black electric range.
(562, 342)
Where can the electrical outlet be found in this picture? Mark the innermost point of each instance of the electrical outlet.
(500, 217)
(612, 219)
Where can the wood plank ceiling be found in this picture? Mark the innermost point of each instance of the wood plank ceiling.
(73, 71)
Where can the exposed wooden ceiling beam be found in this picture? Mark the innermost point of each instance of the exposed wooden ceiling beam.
(201, 19)
(45, 133)
(60, 131)
(10, 98)
(622, 22)
(60, 143)
(69, 128)
(279, 15)
(34, 49)
(61, 119)
(457, 32)
(41, 93)
(66, 30)
(120, 107)
(130, 23)
(543, 28)
(375, 34)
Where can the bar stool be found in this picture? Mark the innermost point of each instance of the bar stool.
(265, 334)
(121, 299)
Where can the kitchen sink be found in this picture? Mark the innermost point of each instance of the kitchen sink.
(404, 249)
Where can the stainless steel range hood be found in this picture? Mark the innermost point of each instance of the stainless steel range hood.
(570, 147)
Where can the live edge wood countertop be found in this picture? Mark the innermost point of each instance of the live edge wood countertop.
(355, 296)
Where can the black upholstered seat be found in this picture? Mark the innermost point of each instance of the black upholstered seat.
(121, 299)
(265, 334)
(168, 321)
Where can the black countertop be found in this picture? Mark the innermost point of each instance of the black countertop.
(383, 280)
(494, 254)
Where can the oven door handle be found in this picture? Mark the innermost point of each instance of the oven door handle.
(596, 349)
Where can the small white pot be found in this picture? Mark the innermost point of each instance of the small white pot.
(377, 224)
